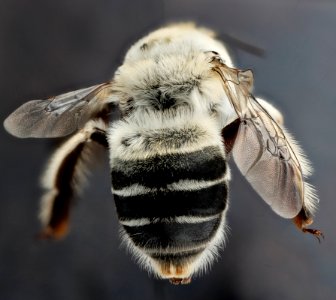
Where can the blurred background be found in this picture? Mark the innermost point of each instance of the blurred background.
(51, 47)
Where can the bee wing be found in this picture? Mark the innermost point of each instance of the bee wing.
(264, 156)
(60, 115)
(262, 151)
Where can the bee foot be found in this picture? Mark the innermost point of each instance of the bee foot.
(317, 233)
(177, 281)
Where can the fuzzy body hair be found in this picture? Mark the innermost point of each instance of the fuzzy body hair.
(154, 135)
(174, 65)
(184, 109)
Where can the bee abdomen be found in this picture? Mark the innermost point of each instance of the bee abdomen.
(171, 201)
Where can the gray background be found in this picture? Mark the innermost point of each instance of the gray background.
(50, 47)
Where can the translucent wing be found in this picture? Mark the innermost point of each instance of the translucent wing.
(265, 158)
(60, 115)
(262, 151)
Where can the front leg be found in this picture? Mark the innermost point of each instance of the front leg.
(65, 176)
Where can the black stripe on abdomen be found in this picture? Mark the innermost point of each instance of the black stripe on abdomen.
(160, 170)
(170, 235)
(164, 204)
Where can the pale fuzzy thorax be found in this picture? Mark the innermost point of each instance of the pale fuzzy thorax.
(190, 82)
(197, 265)
(175, 62)
(82, 168)
(177, 74)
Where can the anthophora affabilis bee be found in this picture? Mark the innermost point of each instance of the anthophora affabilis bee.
(184, 110)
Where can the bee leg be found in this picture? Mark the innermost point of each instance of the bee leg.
(304, 219)
(65, 176)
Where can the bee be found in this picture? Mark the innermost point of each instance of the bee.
(183, 110)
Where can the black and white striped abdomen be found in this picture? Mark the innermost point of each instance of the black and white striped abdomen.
(171, 185)
(170, 197)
